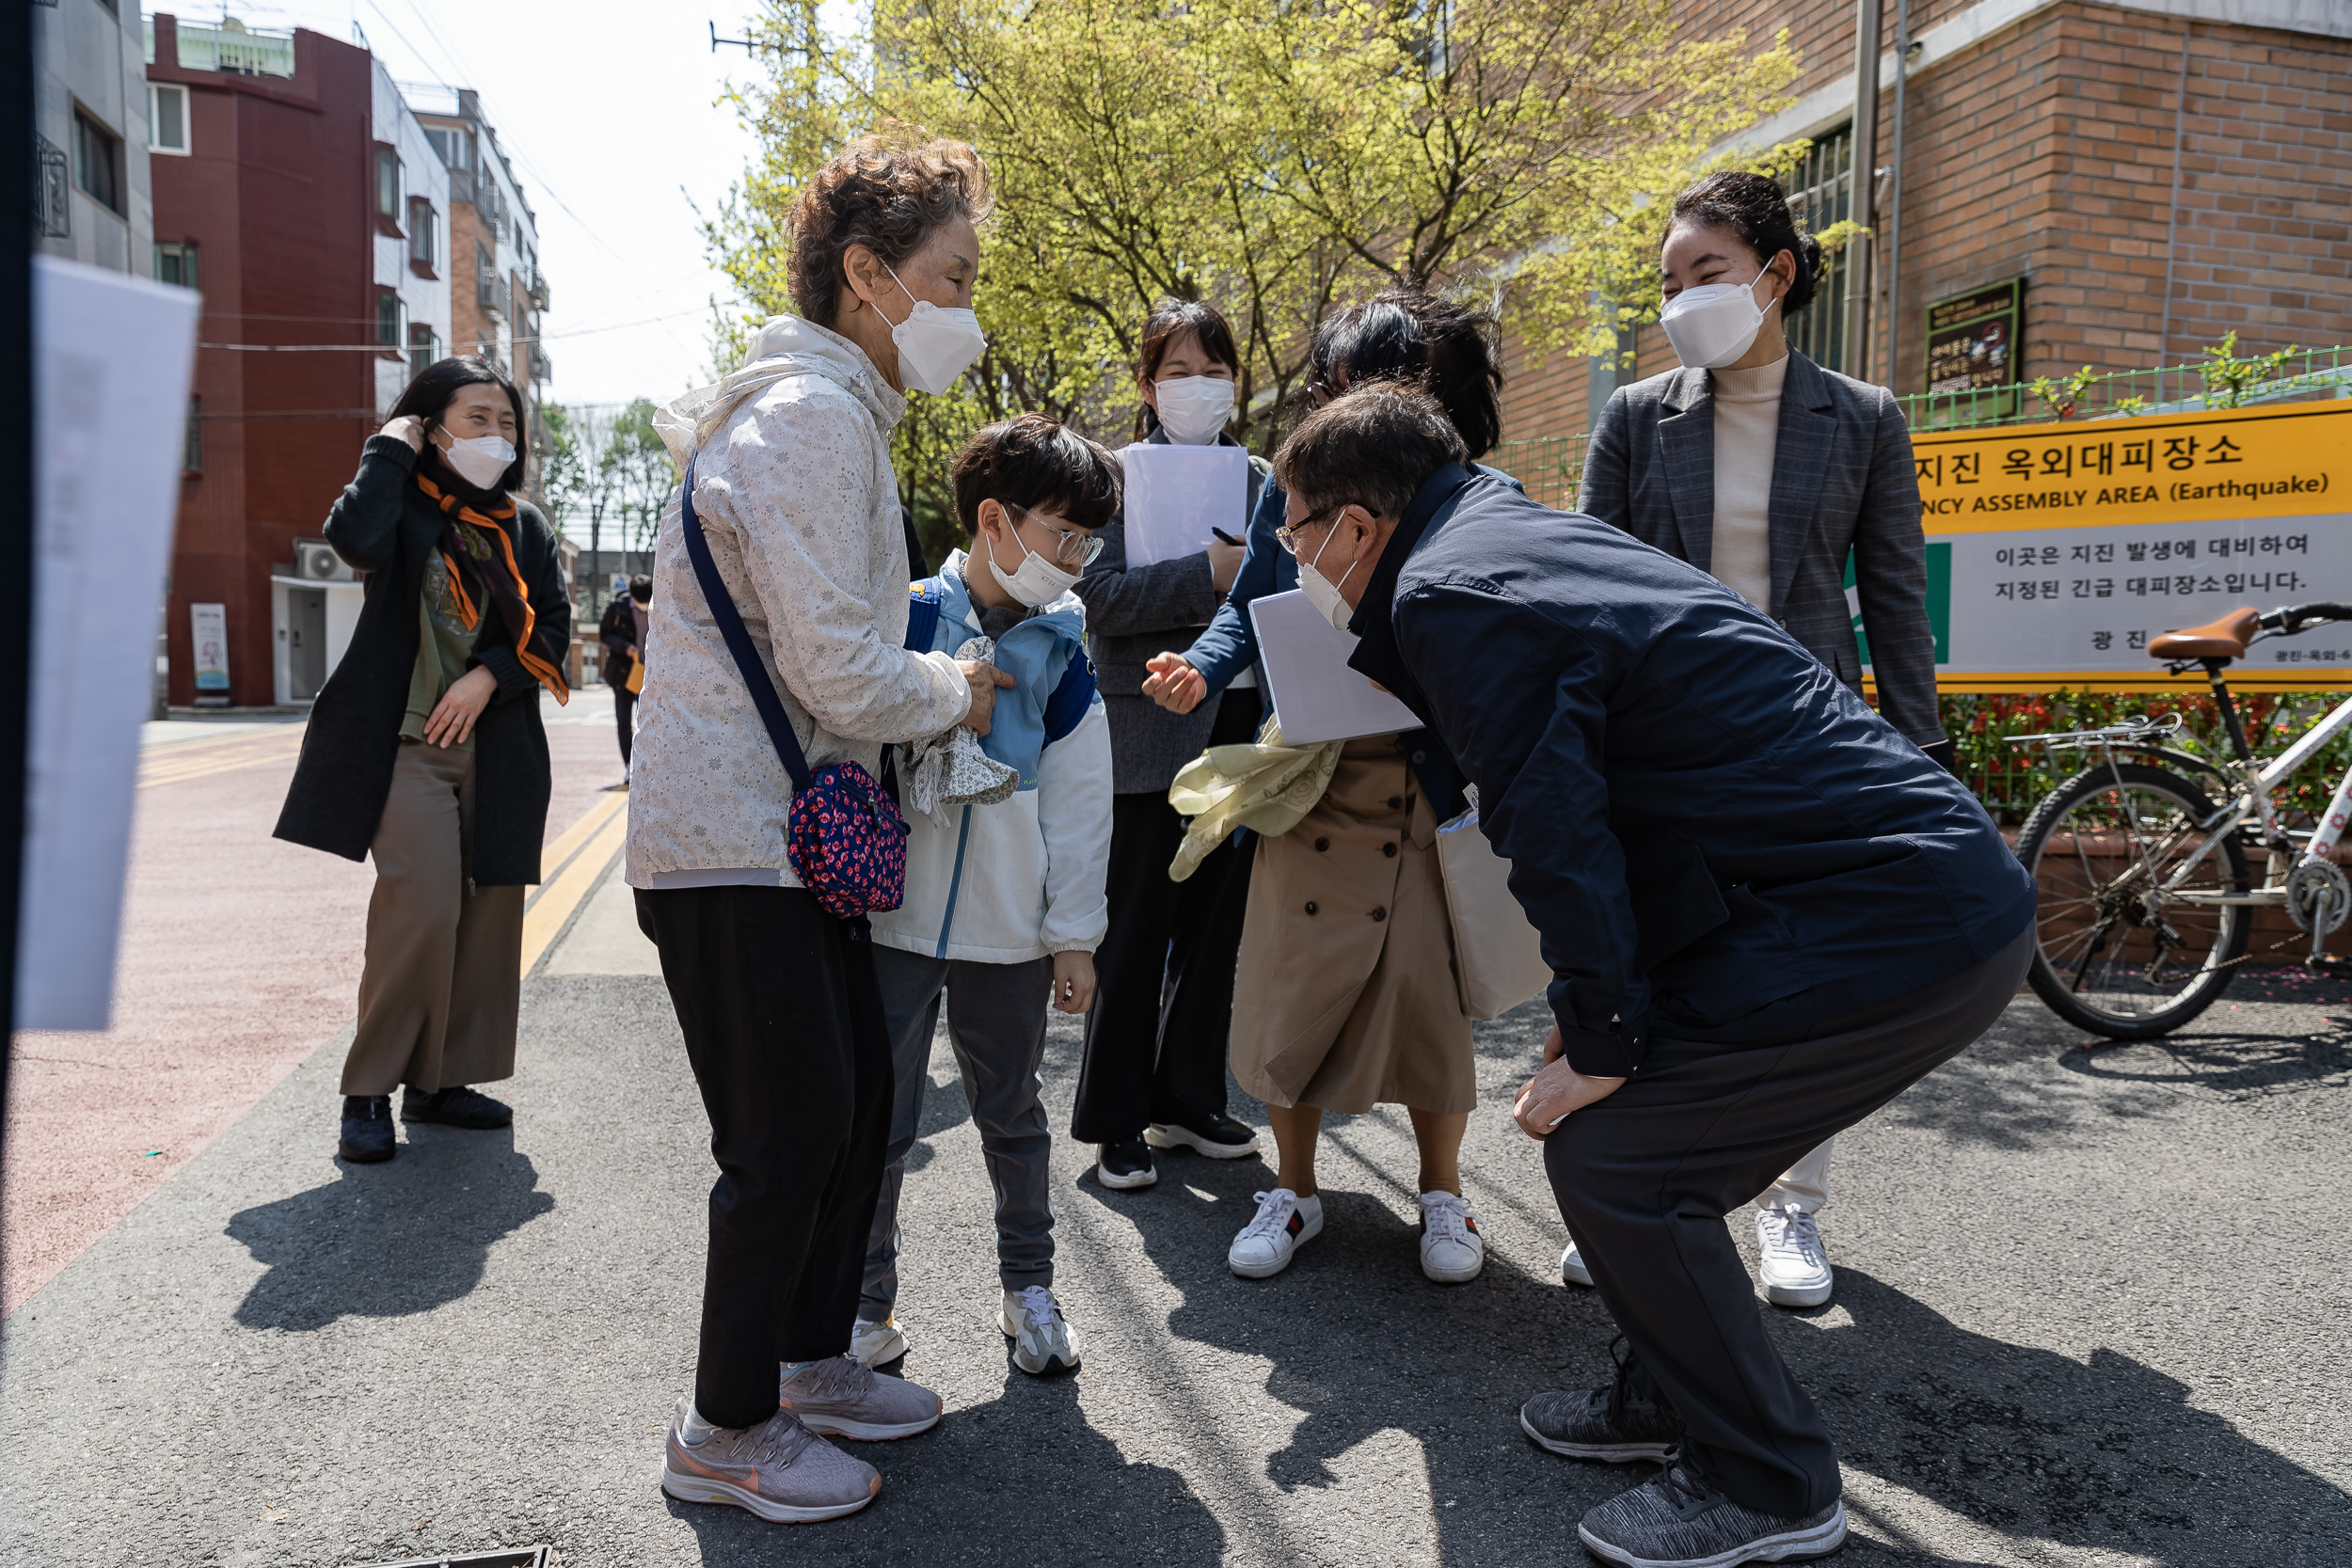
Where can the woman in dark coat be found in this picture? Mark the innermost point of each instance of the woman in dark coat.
(426, 748)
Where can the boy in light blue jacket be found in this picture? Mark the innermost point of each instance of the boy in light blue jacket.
(1005, 901)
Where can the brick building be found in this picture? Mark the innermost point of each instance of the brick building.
(2148, 174)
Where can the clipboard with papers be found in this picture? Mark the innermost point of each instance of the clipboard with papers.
(1316, 696)
(1178, 497)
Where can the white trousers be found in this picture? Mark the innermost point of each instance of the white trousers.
(1803, 1185)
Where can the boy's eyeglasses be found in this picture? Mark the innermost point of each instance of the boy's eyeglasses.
(1071, 548)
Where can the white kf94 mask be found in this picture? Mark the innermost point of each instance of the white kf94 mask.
(1714, 323)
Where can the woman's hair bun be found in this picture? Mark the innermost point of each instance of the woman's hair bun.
(1754, 208)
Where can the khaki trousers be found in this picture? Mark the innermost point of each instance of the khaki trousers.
(440, 987)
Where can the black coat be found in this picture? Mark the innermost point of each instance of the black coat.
(1708, 829)
(617, 631)
(385, 525)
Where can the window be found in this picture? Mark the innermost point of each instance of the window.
(420, 253)
(391, 319)
(175, 262)
(1821, 193)
(98, 161)
(192, 448)
(166, 119)
(454, 147)
(388, 183)
(424, 349)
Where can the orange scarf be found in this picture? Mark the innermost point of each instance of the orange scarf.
(508, 591)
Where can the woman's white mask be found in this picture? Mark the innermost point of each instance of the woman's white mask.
(935, 344)
(1193, 409)
(482, 461)
(1713, 323)
(1037, 581)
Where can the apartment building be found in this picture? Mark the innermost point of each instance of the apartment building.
(2061, 183)
(497, 288)
(295, 192)
(90, 201)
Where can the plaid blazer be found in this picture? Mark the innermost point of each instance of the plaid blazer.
(1842, 480)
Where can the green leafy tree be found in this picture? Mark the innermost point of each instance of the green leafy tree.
(577, 482)
(638, 473)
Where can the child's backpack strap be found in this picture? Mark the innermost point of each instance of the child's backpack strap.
(1071, 699)
(923, 614)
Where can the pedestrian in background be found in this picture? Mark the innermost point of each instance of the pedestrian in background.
(424, 749)
(1154, 1074)
(788, 485)
(1347, 997)
(1766, 911)
(1005, 902)
(623, 633)
(1770, 473)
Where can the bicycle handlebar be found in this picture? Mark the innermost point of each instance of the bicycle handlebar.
(2287, 621)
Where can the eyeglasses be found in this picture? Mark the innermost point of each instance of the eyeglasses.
(1071, 547)
(1287, 534)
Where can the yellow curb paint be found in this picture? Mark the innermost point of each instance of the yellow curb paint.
(547, 913)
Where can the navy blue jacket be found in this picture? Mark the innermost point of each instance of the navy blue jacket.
(1715, 837)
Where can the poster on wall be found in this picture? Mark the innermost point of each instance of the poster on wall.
(1973, 341)
(2056, 552)
(208, 634)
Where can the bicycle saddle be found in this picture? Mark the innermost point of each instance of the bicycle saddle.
(2223, 639)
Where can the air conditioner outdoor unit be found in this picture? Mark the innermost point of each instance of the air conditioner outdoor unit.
(315, 561)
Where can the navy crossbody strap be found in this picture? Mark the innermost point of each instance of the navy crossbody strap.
(738, 639)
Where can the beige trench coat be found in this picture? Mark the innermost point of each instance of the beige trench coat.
(1346, 996)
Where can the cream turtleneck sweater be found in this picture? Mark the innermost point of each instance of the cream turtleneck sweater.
(1747, 433)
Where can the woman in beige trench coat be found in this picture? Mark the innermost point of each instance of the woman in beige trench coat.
(1346, 996)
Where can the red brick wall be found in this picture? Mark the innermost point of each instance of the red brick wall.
(2047, 150)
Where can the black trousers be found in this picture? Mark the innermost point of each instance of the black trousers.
(625, 710)
(1645, 1177)
(1164, 976)
(784, 1026)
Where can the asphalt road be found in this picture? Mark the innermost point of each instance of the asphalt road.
(2092, 1309)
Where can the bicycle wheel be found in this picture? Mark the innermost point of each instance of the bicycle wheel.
(2117, 951)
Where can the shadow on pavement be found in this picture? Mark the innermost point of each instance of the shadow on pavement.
(1023, 1474)
(392, 1240)
(2107, 1455)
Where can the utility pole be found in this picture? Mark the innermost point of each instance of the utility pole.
(1863, 180)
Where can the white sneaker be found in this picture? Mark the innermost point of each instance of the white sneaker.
(1452, 1250)
(1042, 1338)
(1572, 1269)
(1795, 1268)
(877, 1345)
(1285, 1220)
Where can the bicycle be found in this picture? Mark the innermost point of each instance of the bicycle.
(2147, 893)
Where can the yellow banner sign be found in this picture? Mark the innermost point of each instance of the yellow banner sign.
(2056, 552)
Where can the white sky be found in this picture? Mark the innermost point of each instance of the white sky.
(608, 112)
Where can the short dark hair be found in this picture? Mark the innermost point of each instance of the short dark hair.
(1373, 448)
(1032, 461)
(1170, 322)
(1411, 335)
(641, 588)
(429, 395)
(1755, 210)
(889, 191)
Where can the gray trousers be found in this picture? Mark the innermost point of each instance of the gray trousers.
(996, 1023)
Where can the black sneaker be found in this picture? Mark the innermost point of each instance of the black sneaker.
(367, 1128)
(1218, 1136)
(456, 1107)
(1676, 1519)
(1617, 1425)
(1126, 1164)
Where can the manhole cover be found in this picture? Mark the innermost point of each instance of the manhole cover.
(513, 1557)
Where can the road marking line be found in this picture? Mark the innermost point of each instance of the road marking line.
(556, 856)
(224, 757)
(547, 914)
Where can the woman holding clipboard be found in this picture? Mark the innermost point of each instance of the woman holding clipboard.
(1154, 1073)
(1346, 995)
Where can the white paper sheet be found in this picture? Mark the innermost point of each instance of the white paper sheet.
(112, 358)
(1176, 495)
(1316, 696)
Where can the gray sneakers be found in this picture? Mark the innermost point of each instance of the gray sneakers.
(1676, 1519)
(843, 1397)
(779, 1470)
(1601, 1423)
(1042, 1338)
